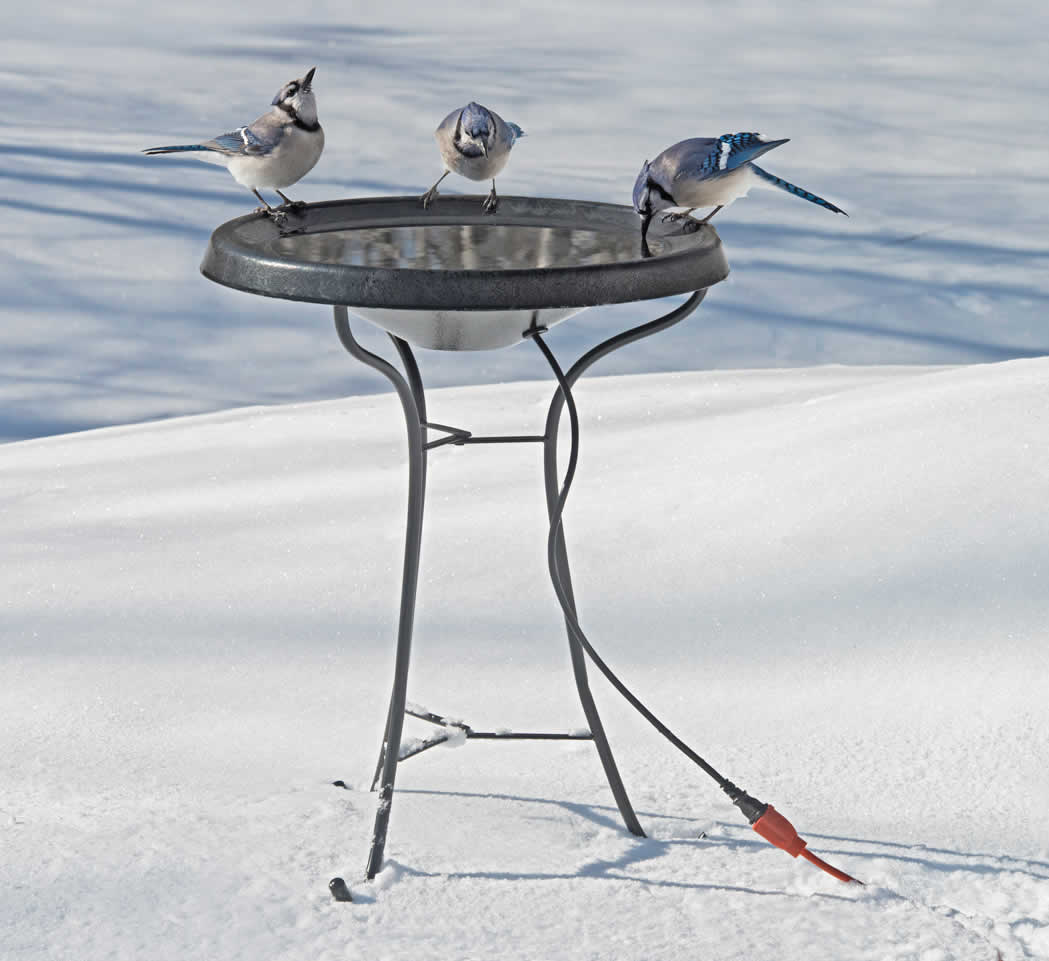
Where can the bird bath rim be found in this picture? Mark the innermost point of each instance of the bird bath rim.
(454, 277)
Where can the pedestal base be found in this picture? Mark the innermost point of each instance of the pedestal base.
(410, 391)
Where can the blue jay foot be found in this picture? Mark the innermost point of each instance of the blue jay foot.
(674, 218)
(290, 204)
(690, 226)
(427, 198)
(279, 217)
(491, 201)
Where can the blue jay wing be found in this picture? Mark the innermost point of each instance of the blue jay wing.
(682, 161)
(243, 141)
(228, 143)
(704, 158)
(736, 149)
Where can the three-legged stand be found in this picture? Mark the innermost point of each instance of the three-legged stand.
(410, 391)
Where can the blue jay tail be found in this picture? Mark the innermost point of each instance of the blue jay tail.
(189, 146)
(794, 189)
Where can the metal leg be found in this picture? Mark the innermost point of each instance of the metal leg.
(415, 384)
(552, 484)
(410, 577)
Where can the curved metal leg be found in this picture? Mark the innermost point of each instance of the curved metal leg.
(552, 484)
(415, 384)
(408, 392)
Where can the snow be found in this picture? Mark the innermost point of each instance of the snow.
(830, 581)
(808, 527)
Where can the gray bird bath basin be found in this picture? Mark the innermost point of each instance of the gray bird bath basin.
(453, 277)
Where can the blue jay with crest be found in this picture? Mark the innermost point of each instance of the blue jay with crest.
(475, 143)
(708, 172)
(275, 151)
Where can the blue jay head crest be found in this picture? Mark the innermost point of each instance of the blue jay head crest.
(474, 130)
(643, 193)
(296, 99)
(477, 121)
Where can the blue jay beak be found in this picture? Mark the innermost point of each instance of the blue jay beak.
(646, 251)
(308, 79)
(646, 219)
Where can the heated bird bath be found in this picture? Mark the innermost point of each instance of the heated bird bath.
(457, 278)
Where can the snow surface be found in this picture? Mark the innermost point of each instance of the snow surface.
(829, 581)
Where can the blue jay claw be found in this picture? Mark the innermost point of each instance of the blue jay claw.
(427, 198)
(290, 204)
(672, 218)
(491, 201)
(690, 226)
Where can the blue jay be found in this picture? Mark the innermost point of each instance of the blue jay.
(475, 143)
(708, 172)
(275, 151)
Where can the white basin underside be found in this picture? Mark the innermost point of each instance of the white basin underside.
(462, 329)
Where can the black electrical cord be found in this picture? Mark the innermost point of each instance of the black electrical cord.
(764, 818)
(562, 596)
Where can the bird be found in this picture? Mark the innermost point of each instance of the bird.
(275, 151)
(708, 172)
(475, 143)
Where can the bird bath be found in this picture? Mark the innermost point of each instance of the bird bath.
(454, 277)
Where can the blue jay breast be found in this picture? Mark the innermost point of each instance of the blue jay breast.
(475, 168)
(713, 191)
(286, 165)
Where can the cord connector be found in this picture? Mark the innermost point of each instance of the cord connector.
(777, 830)
(751, 807)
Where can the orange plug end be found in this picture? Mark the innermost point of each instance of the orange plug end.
(777, 830)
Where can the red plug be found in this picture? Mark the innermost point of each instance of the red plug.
(777, 830)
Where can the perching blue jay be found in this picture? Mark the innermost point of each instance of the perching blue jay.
(708, 172)
(475, 143)
(275, 151)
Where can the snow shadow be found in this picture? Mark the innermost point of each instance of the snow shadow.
(641, 851)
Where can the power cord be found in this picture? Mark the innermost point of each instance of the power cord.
(763, 818)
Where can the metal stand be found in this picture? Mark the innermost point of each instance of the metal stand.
(410, 391)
